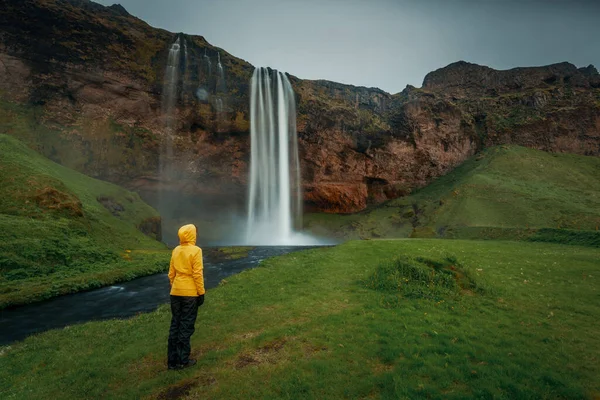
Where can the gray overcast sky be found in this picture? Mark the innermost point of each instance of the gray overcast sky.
(385, 43)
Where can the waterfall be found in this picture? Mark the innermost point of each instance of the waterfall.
(169, 98)
(170, 83)
(208, 65)
(186, 73)
(274, 197)
(220, 88)
(221, 84)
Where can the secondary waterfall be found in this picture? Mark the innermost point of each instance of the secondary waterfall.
(166, 203)
(170, 84)
(208, 65)
(221, 86)
(274, 198)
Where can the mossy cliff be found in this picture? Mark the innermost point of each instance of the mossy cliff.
(82, 83)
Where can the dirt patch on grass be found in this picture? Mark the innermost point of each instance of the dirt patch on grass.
(457, 387)
(380, 368)
(183, 388)
(51, 199)
(245, 360)
(147, 367)
(264, 354)
(197, 353)
(310, 349)
(178, 390)
(275, 345)
(247, 335)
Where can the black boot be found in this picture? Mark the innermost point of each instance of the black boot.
(190, 363)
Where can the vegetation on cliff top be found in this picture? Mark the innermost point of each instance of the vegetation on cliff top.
(61, 231)
(505, 192)
(366, 319)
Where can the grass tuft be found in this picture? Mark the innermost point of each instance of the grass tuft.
(421, 278)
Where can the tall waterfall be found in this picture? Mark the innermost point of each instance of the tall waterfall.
(166, 203)
(208, 65)
(170, 83)
(221, 83)
(274, 200)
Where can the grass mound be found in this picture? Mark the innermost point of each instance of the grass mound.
(506, 192)
(422, 278)
(61, 231)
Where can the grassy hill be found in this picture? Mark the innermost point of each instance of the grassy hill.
(61, 231)
(401, 319)
(506, 192)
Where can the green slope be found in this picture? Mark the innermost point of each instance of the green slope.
(59, 229)
(505, 192)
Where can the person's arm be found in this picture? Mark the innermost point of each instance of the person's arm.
(171, 271)
(198, 272)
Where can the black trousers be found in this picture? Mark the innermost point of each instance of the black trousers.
(184, 311)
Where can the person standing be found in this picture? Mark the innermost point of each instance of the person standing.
(187, 294)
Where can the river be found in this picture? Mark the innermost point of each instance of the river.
(122, 300)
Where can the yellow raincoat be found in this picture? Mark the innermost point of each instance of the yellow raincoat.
(186, 269)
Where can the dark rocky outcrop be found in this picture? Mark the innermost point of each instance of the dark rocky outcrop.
(152, 227)
(463, 78)
(87, 81)
(111, 205)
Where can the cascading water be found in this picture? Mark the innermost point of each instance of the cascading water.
(219, 105)
(186, 70)
(221, 87)
(208, 65)
(169, 98)
(185, 51)
(274, 200)
(221, 84)
(170, 82)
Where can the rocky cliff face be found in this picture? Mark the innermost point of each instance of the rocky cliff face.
(82, 84)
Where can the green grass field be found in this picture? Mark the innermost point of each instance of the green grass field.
(509, 318)
(61, 231)
(506, 192)
(407, 319)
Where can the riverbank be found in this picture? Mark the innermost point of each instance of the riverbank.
(115, 269)
(327, 323)
(103, 271)
(125, 299)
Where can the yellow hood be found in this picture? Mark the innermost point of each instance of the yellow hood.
(187, 234)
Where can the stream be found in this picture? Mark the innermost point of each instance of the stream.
(121, 300)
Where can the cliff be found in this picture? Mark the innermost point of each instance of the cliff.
(82, 84)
